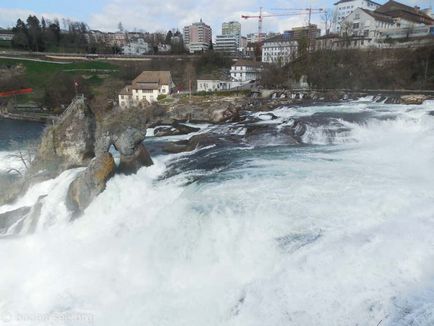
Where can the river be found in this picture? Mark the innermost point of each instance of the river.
(337, 230)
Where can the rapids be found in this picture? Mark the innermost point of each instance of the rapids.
(337, 230)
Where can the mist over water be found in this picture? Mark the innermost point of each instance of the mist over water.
(335, 231)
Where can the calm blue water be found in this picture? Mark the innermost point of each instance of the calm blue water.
(19, 131)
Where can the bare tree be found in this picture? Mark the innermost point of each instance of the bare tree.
(327, 19)
(26, 154)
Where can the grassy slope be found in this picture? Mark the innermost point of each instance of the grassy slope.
(37, 74)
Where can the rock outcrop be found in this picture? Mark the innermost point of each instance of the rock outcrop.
(9, 218)
(414, 99)
(174, 129)
(125, 131)
(70, 141)
(90, 183)
(225, 114)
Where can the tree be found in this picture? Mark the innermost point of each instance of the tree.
(120, 27)
(347, 32)
(34, 34)
(20, 39)
(327, 19)
(169, 37)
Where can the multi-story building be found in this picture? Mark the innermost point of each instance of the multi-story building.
(146, 88)
(279, 49)
(246, 70)
(231, 28)
(197, 37)
(227, 43)
(230, 39)
(361, 27)
(406, 16)
(310, 32)
(343, 8)
(136, 47)
(392, 20)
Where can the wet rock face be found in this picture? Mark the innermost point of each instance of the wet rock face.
(9, 218)
(69, 142)
(229, 114)
(90, 183)
(126, 142)
(130, 164)
(126, 131)
(414, 99)
(174, 129)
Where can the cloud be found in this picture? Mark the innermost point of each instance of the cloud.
(9, 16)
(152, 15)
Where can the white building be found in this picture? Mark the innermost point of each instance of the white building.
(367, 24)
(245, 71)
(138, 47)
(392, 20)
(146, 87)
(227, 43)
(343, 8)
(279, 49)
(212, 85)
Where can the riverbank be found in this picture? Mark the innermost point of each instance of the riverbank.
(30, 117)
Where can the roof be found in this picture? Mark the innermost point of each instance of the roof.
(126, 90)
(152, 79)
(378, 16)
(328, 36)
(342, 1)
(398, 10)
(247, 63)
(279, 38)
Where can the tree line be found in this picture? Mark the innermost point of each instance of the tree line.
(46, 35)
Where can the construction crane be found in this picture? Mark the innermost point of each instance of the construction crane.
(290, 12)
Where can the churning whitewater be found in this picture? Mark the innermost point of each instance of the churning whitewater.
(337, 230)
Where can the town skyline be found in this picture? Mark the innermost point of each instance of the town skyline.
(105, 15)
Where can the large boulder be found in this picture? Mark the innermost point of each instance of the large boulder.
(174, 129)
(130, 164)
(126, 131)
(228, 114)
(414, 99)
(70, 141)
(90, 183)
(11, 217)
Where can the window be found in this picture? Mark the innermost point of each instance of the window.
(355, 25)
(366, 33)
(357, 16)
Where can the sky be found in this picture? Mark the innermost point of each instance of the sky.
(162, 15)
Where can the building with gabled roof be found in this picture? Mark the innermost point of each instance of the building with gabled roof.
(344, 8)
(146, 87)
(405, 15)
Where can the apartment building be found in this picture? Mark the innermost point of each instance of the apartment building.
(279, 49)
(230, 40)
(197, 37)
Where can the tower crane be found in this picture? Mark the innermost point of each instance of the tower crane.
(289, 12)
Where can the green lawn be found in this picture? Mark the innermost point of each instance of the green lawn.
(37, 74)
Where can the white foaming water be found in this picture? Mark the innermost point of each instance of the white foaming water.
(333, 234)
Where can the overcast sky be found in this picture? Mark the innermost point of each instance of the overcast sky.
(155, 15)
